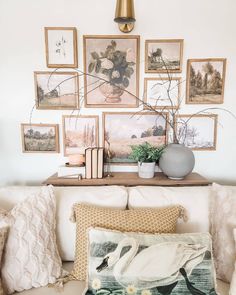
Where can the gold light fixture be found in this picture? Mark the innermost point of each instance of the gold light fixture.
(125, 16)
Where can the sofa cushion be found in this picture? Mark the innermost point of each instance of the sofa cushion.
(161, 220)
(106, 196)
(194, 199)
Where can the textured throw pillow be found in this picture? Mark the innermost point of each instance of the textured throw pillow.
(145, 264)
(232, 290)
(31, 257)
(141, 220)
(223, 222)
(3, 235)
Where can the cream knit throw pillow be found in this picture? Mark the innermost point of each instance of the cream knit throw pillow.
(159, 220)
(31, 257)
(3, 235)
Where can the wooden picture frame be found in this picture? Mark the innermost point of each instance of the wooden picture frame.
(61, 47)
(159, 96)
(171, 49)
(77, 133)
(209, 87)
(134, 131)
(202, 144)
(36, 138)
(107, 86)
(56, 90)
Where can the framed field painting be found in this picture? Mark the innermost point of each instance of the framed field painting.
(112, 65)
(205, 81)
(156, 92)
(61, 47)
(79, 133)
(198, 132)
(121, 130)
(162, 56)
(40, 138)
(56, 90)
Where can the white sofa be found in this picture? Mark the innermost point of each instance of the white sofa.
(194, 199)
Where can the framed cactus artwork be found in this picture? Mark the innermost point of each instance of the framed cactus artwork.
(111, 64)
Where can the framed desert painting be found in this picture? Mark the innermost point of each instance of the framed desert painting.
(205, 81)
(112, 67)
(162, 93)
(79, 133)
(40, 138)
(163, 56)
(61, 47)
(122, 130)
(56, 90)
(198, 132)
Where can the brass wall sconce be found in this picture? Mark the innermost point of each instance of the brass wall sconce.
(125, 16)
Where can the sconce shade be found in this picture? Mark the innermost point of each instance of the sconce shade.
(124, 12)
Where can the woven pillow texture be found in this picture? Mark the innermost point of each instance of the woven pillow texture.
(3, 236)
(161, 220)
(31, 257)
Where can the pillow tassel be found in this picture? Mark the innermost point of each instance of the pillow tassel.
(59, 284)
(183, 214)
(72, 216)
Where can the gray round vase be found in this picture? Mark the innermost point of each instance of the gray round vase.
(177, 161)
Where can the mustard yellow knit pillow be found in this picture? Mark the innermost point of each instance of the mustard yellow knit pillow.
(161, 220)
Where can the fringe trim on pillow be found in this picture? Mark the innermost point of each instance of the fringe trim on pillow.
(59, 284)
(183, 214)
(72, 216)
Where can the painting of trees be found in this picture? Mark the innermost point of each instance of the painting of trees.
(205, 81)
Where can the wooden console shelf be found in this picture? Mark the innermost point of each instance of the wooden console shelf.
(129, 179)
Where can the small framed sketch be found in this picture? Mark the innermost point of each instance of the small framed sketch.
(205, 81)
(79, 133)
(198, 132)
(162, 56)
(40, 138)
(56, 90)
(61, 47)
(162, 93)
(112, 63)
(121, 130)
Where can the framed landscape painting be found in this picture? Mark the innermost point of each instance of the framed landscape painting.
(61, 47)
(205, 81)
(162, 93)
(198, 132)
(122, 130)
(40, 138)
(56, 90)
(163, 56)
(79, 133)
(112, 67)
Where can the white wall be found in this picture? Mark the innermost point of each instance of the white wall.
(209, 30)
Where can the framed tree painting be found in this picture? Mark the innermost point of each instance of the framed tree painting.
(122, 130)
(205, 81)
(40, 138)
(56, 90)
(198, 132)
(61, 47)
(164, 56)
(79, 133)
(162, 93)
(112, 67)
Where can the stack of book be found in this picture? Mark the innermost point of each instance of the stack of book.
(94, 163)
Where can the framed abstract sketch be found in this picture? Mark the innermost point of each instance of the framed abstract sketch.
(162, 93)
(61, 47)
(79, 133)
(56, 90)
(198, 132)
(205, 81)
(40, 138)
(121, 130)
(112, 65)
(162, 56)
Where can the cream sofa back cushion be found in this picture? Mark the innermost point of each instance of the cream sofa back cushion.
(104, 196)
(194, 199)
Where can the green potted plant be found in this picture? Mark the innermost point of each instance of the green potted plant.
(147, 156)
